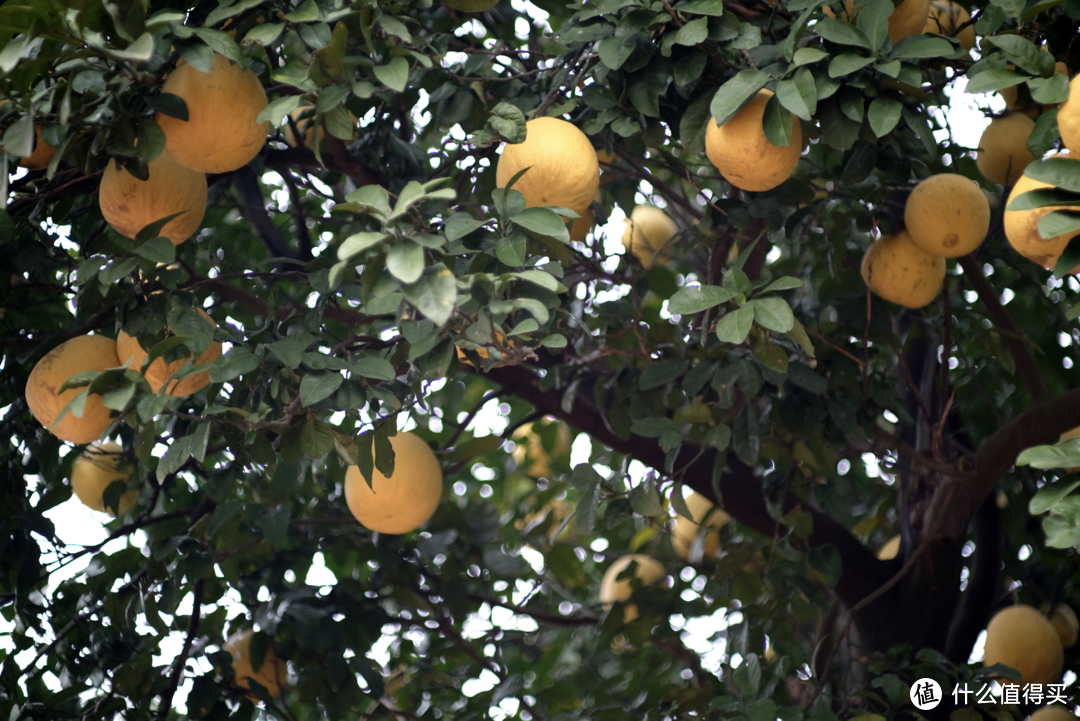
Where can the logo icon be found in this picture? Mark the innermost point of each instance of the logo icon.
(925, 694)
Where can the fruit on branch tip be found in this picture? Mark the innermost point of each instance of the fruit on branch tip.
(947, 215)
(1022, 227)
(471, 6)
(1022, 638)
(129, 204)
(1003, 153)
(98, 467)
(742, 153)
(899, 271)
(908, 18)
(647, 232)
(1069, 117)
(271, 674)
(945, 16)
(80, 354)
(404, 501)
(649, 571)
(1065, 623)
(686, 530)
(157, 373)
(563, 168)
(220, 133)
(890, 549)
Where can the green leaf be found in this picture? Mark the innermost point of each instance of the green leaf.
(19, 137)
(158, 250)
(1021, 51)
(842, 33)
(735, 326)
(539, 277)
(1059, 222)
(1061, 172)
(774, 313)
(405, 261)
(1061, 455)
(306, 13)
(1051, 90)
(884, 114)
(645, 499)
(714, 8)
(873, 21)
(511, 251)
(994, 80)
(265, 35)
(827, 564)
(394, 75)
(1069, 259)
(615, 51)
(1048, 496)
(315, 387)
(922, 46)
(847, 63)
(653, 426)
(290, 350)
(1045, 133)
(139, 51)
(223, 43)
(373, 367)
(276, 111)
(660, 373)
(806, 56)
(799, 94)
(799, 336)
(356, 244)
(784, 283)
(693, 32)
(508, 122)
(169, 104)
(197, 54)
(238, 361)
(735, 93)
(543, 221)
(434, 295)
(1042, 197)
(777, 123)
(694, 300)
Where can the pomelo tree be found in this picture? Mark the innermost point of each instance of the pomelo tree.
(380, 282)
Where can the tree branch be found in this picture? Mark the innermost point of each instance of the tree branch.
(178, 664)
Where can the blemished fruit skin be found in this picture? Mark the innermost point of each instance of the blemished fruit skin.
(908, 18)
(1003, 152)
(80, 354)
(648, 230)
(899, 271)
(1022, 228)
(1069, 118)
(649, 570)
(742, 153)
(157, 373)
(947, 215)
(889, 550)
(1052, 713)
(945, 16)
(1022, 638)
(564, 169)
(130, 204)
(1065, 623)
(220, 133)
(95, 470)
(686, 530)
(471, 6)
(271, 674)
(406, 500)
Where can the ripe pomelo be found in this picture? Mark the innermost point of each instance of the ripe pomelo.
(742, 153)
(1069, 118)
(270, 675)
(899, 271)
(130, 204)
(220, 133)
(563, 168)
(1065, 623)
(947, 215)
(1022, 638)
(95, 470)
(648, 571)
(648, 230)
(1022, 227)
(78, 355)
(1003, 152)
(404, 501)
(908, 18)
(157, 373)
(1053, 713)
(686, 530)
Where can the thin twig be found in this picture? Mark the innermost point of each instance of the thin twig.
(178, 664)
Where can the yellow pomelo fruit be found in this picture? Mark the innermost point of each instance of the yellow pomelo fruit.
(899, 271)
(41, 155)
(908, 18)
(648, 230)
(130, 204)
(945, 16)
(471, 6)
(1022, 228)
(404, 501)
(1053, 713)
(1003, 152)
(95, 470)
(158, 372)
(889, 549)
(80, 354)
(686, 530)
(1022, 638)
(1065, 623)
(582, 224)
(563, 169)
(271, 674)
(648, 571)
(947, 215)
(527, 444)
(1069, 118)
(742, 153)
(606, 159)
(308, 126)
(220, 133)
